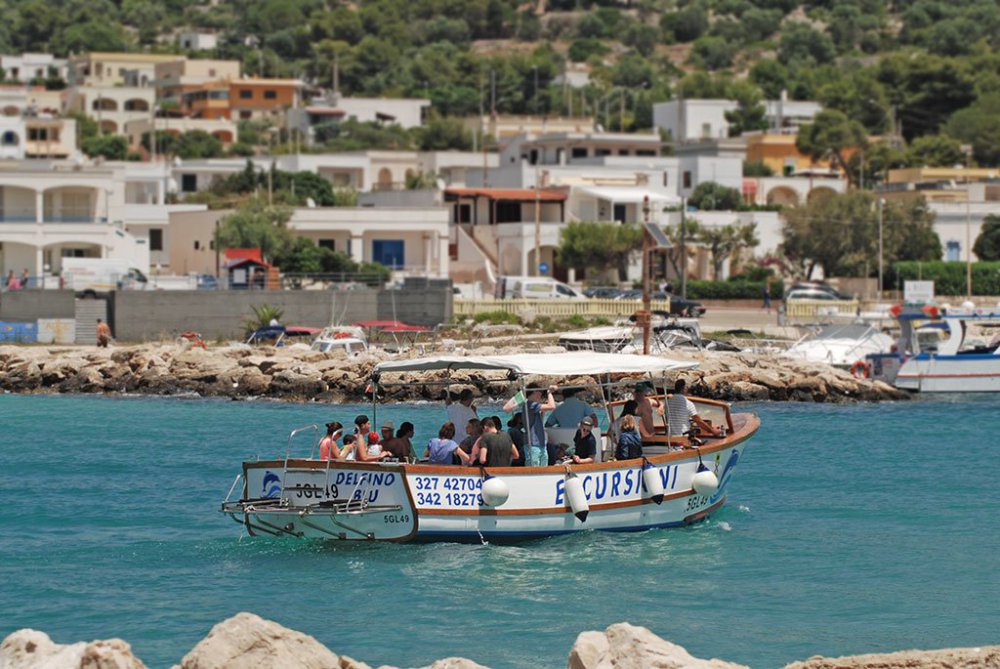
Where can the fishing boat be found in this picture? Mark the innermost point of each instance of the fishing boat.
(937, 353)
(678, 481)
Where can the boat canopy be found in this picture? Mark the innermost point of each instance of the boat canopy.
(574, 363)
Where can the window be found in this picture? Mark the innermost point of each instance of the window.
(687, 179)
(646, 153)
(579, 152)
(620, 213)
(197, 245)
(211, 244)
(706, 130)
(533, 159)
(389, 252)
(38, 134)
(508, 212)
(953, 251)
(602, 152)
(328, 244)
(666, 178)
(246, 95)
(270, 95)
(155, 239)
(463, 213)
(622, 152)
(189, 183)
(9, 138)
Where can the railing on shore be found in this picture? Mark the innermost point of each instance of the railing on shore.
(811, 310)
(558, 308)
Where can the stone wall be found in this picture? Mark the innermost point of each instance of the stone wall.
(30, 305)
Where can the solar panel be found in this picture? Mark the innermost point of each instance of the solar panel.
(656, 233)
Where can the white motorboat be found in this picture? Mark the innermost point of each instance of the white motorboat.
(953, 363)
(840, 345)
(677, 482)
(348, 338)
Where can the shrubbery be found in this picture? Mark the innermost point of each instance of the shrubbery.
(949, 277)
(739, 289)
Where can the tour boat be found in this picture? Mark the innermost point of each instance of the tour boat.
(679, 481)
(925, 361)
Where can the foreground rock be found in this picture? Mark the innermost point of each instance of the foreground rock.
(625, 646)
(297, 374)
(30, 649)
(247, 641)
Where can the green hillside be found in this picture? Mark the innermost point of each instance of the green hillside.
(916, 69)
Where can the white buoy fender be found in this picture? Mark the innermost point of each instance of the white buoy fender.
(577, 498)
(705, 483)
(495, 491)
(654, 484)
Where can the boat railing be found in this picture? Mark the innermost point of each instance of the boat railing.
(715, 412)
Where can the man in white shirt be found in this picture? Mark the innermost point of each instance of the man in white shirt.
(571, 411)
(681, 412)
(462, 411)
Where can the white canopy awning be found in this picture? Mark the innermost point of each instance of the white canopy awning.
(575, 363)
(626, 194)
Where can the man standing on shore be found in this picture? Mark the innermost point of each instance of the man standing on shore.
(103, 334)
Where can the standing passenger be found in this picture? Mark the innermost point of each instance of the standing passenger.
(533, 409)
(515, 429)
(495, 447)
(681, 412)
(461, 412)
(571, 411)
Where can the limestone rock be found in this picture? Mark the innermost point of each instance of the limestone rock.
(986, 657)
(247, 641)
(745, 390)
(456, 663)
(30, 649)
(632, 647)
(351, 663)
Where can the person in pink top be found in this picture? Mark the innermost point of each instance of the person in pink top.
(328, 449)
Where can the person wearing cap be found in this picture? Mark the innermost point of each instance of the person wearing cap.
(328, 449)
(584, 443)
(387, 429)
(462, 411)
(532, 407)
(400, 446)
(645, 406)
(571, 411)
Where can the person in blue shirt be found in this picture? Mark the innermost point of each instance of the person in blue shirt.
(571, 411)
(533, 408)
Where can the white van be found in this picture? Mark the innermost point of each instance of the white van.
(543, 288)
(100, 275)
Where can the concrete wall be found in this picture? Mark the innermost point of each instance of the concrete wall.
(30, 305)
(140, 315)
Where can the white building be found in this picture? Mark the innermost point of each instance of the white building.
(111, 106)
(405, 112)
(197, 41)
(696, 120)
(28, 67)
(12, 138)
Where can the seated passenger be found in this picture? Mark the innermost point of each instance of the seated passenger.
(584, 443)
(387, 428)
(350, 444)
(473, 430)
(681, 412)
(400, 446)
(628, 409)
(442, 450)
(367, 448)
(645, 407)
(629, 442)
(496, 449)
(328, 449)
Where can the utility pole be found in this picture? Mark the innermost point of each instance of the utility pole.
(538, 226)
(968, 244)
(621, 110)
(683, 262)
(645, 317)
(881, 202)
(534, 96)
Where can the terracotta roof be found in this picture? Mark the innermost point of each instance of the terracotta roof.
(244, 254)
(523, 194)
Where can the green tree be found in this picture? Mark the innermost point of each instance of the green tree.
(712, 196)
(713, 53)
(772, 77)
(444, 133)
(831, 134)
(935, 151)
(979, 125)
(599, 247)
(673, 253)
(256, 225)
(987, 246)
(723, 242)
(196, 144)
(750, 113)
(686, 25)
(112, 147)
(756, 168)
(802, 45)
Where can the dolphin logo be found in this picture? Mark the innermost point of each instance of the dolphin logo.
(734, 457)
(271, 487)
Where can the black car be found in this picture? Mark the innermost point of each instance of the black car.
(678, 305)
(603, 292)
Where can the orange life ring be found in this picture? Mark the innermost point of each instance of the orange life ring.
(342, 335)
(861, 370)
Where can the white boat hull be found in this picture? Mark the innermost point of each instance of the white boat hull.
(403, 502)
(964, 373)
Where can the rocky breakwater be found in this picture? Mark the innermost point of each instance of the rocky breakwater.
(298, 374)
(247, 640)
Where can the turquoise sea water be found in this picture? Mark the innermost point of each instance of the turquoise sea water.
(849, 529)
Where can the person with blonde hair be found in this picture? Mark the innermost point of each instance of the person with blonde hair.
(629, 441)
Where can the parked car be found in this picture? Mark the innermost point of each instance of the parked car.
(207, 282)
(678, 305)
(813, 294)
(813, 287)
(544, 289)
(603, 292)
